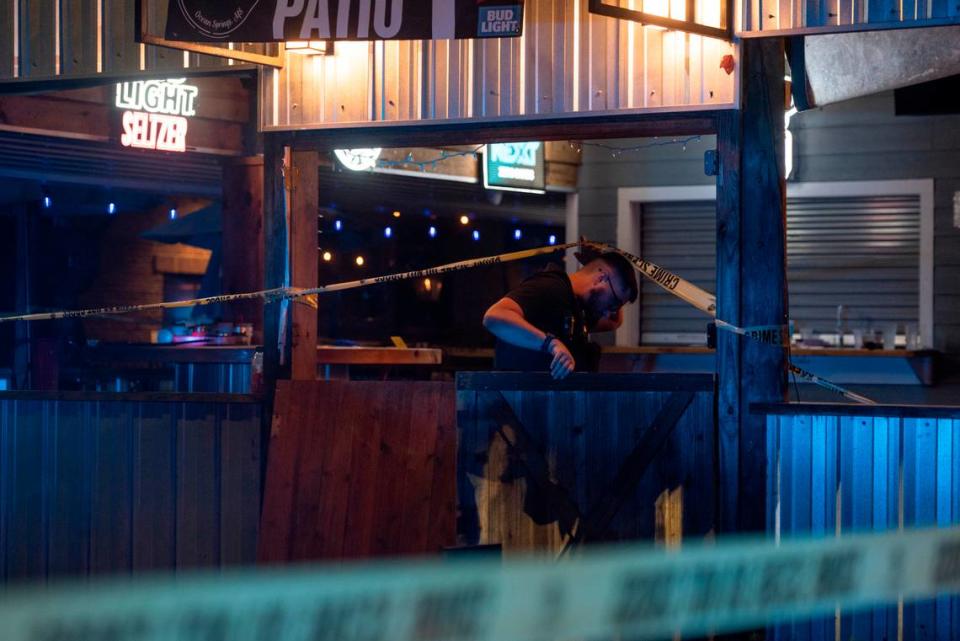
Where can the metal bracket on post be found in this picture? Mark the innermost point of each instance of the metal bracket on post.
(711, 162)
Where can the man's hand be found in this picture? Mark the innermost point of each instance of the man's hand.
(563, 362)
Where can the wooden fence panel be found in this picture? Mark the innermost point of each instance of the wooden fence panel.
(114, 483)
(538, 482)
(359, 469)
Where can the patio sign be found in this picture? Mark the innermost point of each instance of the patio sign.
(289, 20)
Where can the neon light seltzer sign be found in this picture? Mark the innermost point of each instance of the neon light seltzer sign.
(155, 113)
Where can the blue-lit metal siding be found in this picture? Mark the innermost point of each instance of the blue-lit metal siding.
(834, 474)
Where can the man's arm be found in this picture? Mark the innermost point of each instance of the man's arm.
(505, 320)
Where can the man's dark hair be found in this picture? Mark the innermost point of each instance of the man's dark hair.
(624, 270)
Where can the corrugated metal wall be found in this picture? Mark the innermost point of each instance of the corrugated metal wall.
(769, 17)
(833, 474)
(113, 486)
(62, 39)
(568, 61)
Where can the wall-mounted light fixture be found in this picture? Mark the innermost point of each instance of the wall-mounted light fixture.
(310, 47)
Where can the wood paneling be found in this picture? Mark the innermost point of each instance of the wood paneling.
(535, 464)
(223, 115)
(359, 469)
(843, 473)
(114, 486)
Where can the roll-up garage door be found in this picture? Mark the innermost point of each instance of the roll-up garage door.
(861, 253)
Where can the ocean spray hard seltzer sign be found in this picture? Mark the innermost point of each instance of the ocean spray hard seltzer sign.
(514, 166)
(286, 20)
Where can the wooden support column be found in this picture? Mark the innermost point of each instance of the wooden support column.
(304, 206)
(243, 239)
(751, 279)
(276, 351)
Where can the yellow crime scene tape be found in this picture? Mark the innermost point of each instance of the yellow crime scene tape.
(631, 591)
(683, 289)
(776, 335)
(292, 292)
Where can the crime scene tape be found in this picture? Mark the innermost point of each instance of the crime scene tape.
(291, 292)
(776, 335)
(683, 289)
(629, 591)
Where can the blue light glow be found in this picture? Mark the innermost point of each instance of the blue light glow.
(432, 231)
(517, 234)
(338, 224)
(552, 240)
(47, 202)
(476, 235)
(387, 232)
(173, 214)
(111, 208)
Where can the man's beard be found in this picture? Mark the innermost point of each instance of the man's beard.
(592, 308)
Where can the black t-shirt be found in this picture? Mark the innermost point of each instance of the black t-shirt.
(549, 304)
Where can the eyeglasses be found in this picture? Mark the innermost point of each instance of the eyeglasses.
(616, 299)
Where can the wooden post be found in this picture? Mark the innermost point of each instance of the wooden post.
(751, 279)
(243, 239)
(22, 333)
(304, 181)
(276, 354)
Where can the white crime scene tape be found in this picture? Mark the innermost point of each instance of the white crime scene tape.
(631, 591)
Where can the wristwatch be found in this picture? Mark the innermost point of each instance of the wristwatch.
(545, 345)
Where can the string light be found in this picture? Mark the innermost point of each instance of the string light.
(327, 257)
(111, 208)
(464, 220)
(173, 213)
(360, 261)
(396, 214)
(430, 162)
(552, 240)
(338, 224)
(47, 200)
(615, 152)
(432, 231)
(476, 235)
(517, 234)
(387, 232)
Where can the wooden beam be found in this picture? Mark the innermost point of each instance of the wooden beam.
(465, 133)
(751, 280)
(304, 181)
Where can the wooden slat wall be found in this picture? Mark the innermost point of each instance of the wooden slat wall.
(96, 487)
(562, 65)
(839, 474)
(359, 469)
(87, 48)
(585, 436)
